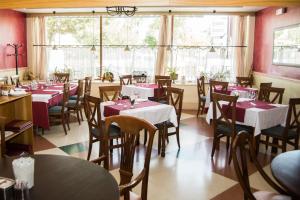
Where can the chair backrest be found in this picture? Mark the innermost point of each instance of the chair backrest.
(140, 78)
(293, 116)
(227, 110)
(79, 91)
(109, 93)
(239, 156)
(61, 77)
(175, 98)
(157, 77)
(131, 128)
(220, 85)
(87, 85)
(15, 80)
(163, 84)
(4, 80)
(66, 95)
(244, 81)
(271, 94)
(126, 80)
(201, 86)
(93, 115)
(263, 93)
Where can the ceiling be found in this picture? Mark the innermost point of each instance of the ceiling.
(150, 9)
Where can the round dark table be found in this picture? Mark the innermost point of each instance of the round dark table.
(286, 170)
(66, 178)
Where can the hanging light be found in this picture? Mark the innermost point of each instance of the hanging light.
(93, 47)
(55, 25)
(212, 49)
(169, 48)
(127, 46)
(120, 10)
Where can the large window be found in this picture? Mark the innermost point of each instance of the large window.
(129, 44)
(193, 38)
(70, 38)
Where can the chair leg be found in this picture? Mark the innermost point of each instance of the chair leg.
(202, 108)
(267, 142)
(43, 131)
(78, 118)
(64, 124)
(159, 140)
(111, 143)
(68, 120)
(90, 148)
(283, 146)
(227, 142)
(215, 141)
(145, 136)
(177, 136)
(199, 106)
(296, 143)
(80, 109)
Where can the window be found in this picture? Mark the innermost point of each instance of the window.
(140, 33)
(192, 54)
(73, 35)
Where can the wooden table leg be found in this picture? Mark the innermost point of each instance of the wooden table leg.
(163, 140)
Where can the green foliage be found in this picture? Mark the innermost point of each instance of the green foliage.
(151, 41)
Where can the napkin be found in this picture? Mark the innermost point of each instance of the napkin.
(23, 169)
(17, 92)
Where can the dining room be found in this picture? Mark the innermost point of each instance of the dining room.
(149, 100)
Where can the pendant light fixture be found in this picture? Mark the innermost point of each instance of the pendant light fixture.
(212, 49)
(93, 46)
(127, 46)
(55, 28)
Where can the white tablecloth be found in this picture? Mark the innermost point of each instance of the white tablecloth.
(258, 118)
(142, 92)
(153, 114)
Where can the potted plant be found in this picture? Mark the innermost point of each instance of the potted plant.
(108, 76)
(173, 73)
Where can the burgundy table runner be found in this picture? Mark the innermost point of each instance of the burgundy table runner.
(120, 105)
(242, 106)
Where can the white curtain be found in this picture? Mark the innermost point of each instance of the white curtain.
(36, 34)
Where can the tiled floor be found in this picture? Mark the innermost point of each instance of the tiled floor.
(188, 173)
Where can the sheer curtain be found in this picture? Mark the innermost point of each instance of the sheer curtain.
(36, 34)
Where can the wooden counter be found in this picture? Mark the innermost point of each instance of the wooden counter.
(18, 107)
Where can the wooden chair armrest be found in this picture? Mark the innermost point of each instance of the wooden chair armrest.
(128, 186)
(99, 160)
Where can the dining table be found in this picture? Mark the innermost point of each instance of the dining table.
(254, 113)
(286, 170)
(141, 90)
(151, 111)
(44, 96)
(66, 178)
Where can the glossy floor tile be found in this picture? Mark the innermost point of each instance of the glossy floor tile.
(187, 173)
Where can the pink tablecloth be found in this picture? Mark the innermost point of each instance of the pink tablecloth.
(120, 105)
(242, 106)
(40, 109)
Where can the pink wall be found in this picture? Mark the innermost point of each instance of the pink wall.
(12, 30)
(265, 22)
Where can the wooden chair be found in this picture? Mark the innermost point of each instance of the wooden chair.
(3, 80)
(240, 163)
(96, 126)
(88, 85)
(15, 80)
(62, 111)
(288, 133)
(140, 78)
(175, 98)
(201, 95)
(163, 84)
(220, 84)
(271, 94)
(244, 81)
(225, 125)
(262, 93)
(110, 93)
(158, 77)
(126, 80)
(130, 130)
(61, 77)
(75, 105)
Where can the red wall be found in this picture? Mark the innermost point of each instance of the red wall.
(12, 30)
(265, 22)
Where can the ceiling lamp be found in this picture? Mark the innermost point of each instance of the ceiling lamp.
(126, 48)
(212, 49)
(120, 10)
(55, 27)
(93, 47)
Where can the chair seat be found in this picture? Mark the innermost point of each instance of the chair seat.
(56, 109)
(277, 131)
(225, 130)
(265, 195)
(114, 131)
(74, 97)
(72, 103)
